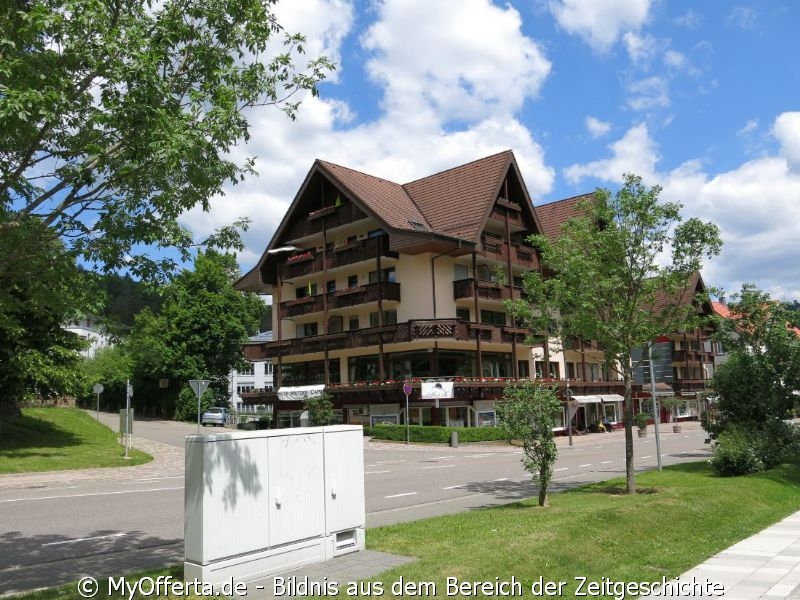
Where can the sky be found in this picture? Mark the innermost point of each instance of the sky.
(701, 98)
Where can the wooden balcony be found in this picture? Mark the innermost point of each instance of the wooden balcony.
(327, 218)
(487, 290)
(339, 256)
(409, 331)
(363, 294)
(503, 209)
(497, 249)
(692, 358)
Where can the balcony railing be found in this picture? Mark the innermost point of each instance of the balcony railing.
(347, 213)
(408, 331)
(339, 256)
(363, 294)
(682, 357)
(487, 290)
(497, 249)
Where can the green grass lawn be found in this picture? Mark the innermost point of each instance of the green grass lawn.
(684, 516)
(56, 439)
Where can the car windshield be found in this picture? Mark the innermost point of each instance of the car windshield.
(215, 410)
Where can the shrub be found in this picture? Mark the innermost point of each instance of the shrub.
(433, 434)
(736, 453)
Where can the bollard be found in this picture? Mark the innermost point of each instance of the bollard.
(454, 439)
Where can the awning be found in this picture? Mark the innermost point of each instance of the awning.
(587, 399)
(300, 392)
(611, 398)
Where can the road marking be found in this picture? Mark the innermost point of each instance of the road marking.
(87, 495)
(441, 458)
(375, 472)
(561, 469)
(606, 462)
(389, 462)
(453, 487)
(476, 455)
(439, 467)
(400, 495)
(501, 479)
(648, 456)
(586, 465)
(86, 539)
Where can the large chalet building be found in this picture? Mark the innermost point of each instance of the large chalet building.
(375, 283)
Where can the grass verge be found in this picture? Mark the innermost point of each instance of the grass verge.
(683, 516)
(57, 439)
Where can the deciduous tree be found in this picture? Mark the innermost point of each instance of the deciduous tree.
(622, 273)
(527, 413)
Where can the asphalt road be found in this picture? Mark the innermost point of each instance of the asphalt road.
(123, 523)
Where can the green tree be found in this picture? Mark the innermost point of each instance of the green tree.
(527, 413)
(198, 334)
(622, 274)
(116, 117)
(112, 367)
(756, 384)
(38, 358)
(320, 410)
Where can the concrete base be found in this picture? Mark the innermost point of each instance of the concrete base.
(257, 565)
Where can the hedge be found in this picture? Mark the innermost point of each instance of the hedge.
(434, 434)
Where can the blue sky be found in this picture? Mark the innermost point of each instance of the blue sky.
(702, 98)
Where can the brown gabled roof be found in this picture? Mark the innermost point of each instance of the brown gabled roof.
(388, 201)
(457, 201)
(685, 297)
(553, 215)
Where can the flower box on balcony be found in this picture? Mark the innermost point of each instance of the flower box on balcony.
(348, 291)
(321, 212)
(299, 258)
(343, 246)
(303, 300)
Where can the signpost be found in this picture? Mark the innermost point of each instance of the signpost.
(407, 391)
(199, 386)
(128, 417)
(98, 389)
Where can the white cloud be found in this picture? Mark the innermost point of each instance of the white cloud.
(689, 20)
(641, 48)
(448, 98)
(742, 17)
(460, 59)
(749, 127)
(755, 205)
(648, 93)
(634, 153)
(600, 23)
(596, 127)
(787, 131)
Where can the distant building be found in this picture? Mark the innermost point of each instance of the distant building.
(88, 328)
(256, 378)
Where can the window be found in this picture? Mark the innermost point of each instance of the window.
(540, 370)
(571, 371)
(462, 314)
(353, 323)
(331, 285)
(352, 281)
(307, 329)
(303, 291)
(362, 368)
(335, 324)
(388, 275)
(460, 272)
(493, 317)
(389, 318)
(523, 368)
(376, 233)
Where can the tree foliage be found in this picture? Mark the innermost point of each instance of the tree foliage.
(116, 117)
(527, 414)
(620, 274)
(320, 410)
(757, 383)
(38, 358)
(198, 334)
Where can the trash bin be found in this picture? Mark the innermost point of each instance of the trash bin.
(454, 439)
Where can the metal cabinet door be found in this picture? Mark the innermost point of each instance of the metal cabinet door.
(344, 480)
(295, 488)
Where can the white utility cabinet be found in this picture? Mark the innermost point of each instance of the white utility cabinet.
(261, 502)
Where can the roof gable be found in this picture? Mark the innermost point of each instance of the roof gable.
(553, 215)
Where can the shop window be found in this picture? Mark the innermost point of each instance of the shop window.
(487, 418)
(610, 409)
(457, 416)
(362, 368)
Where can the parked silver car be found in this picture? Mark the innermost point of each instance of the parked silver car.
(216, 415)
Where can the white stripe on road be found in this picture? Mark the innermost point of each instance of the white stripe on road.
(586, 465)
(400, 495)
(86, 539)
(453, 487)
(501, 479)
(561, 469)
(375, 472)
(439, 467)
(606, 462)
(87, 495)
(648, 456)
